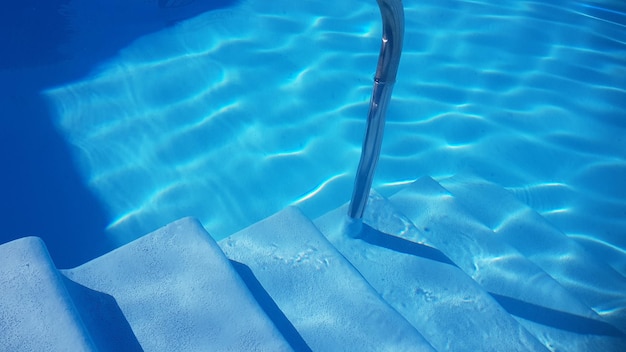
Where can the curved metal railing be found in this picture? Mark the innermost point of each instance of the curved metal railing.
(388, 60)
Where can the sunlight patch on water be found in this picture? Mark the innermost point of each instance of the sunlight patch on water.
(588, 238)
(318, 189)
(557, 211)
(610, 16)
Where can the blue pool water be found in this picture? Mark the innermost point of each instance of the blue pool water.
(230, 113)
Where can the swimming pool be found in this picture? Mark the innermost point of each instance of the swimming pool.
(234, 114)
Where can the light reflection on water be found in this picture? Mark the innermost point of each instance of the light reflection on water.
(237, 113)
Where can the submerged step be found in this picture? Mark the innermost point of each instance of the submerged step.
(593, 281)
(36, 310)
(557, 317)
(325, 299)
(178, 292)
(450, 310)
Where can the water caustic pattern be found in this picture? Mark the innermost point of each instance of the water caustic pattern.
(234, 114)
(227, 117)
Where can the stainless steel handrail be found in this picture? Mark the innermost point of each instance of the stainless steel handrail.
(392, 13)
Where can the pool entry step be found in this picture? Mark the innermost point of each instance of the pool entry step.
(458, 264)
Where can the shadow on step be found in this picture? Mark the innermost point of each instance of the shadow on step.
(270, 308)
(555, 318)
(538, 314)
(103, 318)
(398, 244)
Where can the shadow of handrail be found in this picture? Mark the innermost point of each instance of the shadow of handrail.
(398, 244)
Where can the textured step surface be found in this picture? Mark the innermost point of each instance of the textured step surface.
(452, 311)
(36, 310)
(557, 317)
(179, 293)
(593, 281)
(477, 251)
(328, 302)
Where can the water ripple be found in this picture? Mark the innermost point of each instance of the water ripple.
(237, 113)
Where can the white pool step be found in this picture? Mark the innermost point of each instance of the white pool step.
(557, 317)
(592, 280)
(35, 306)
(179, 293)
(325, 298)
(451, 310)
(424, 274)
(475, 249)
